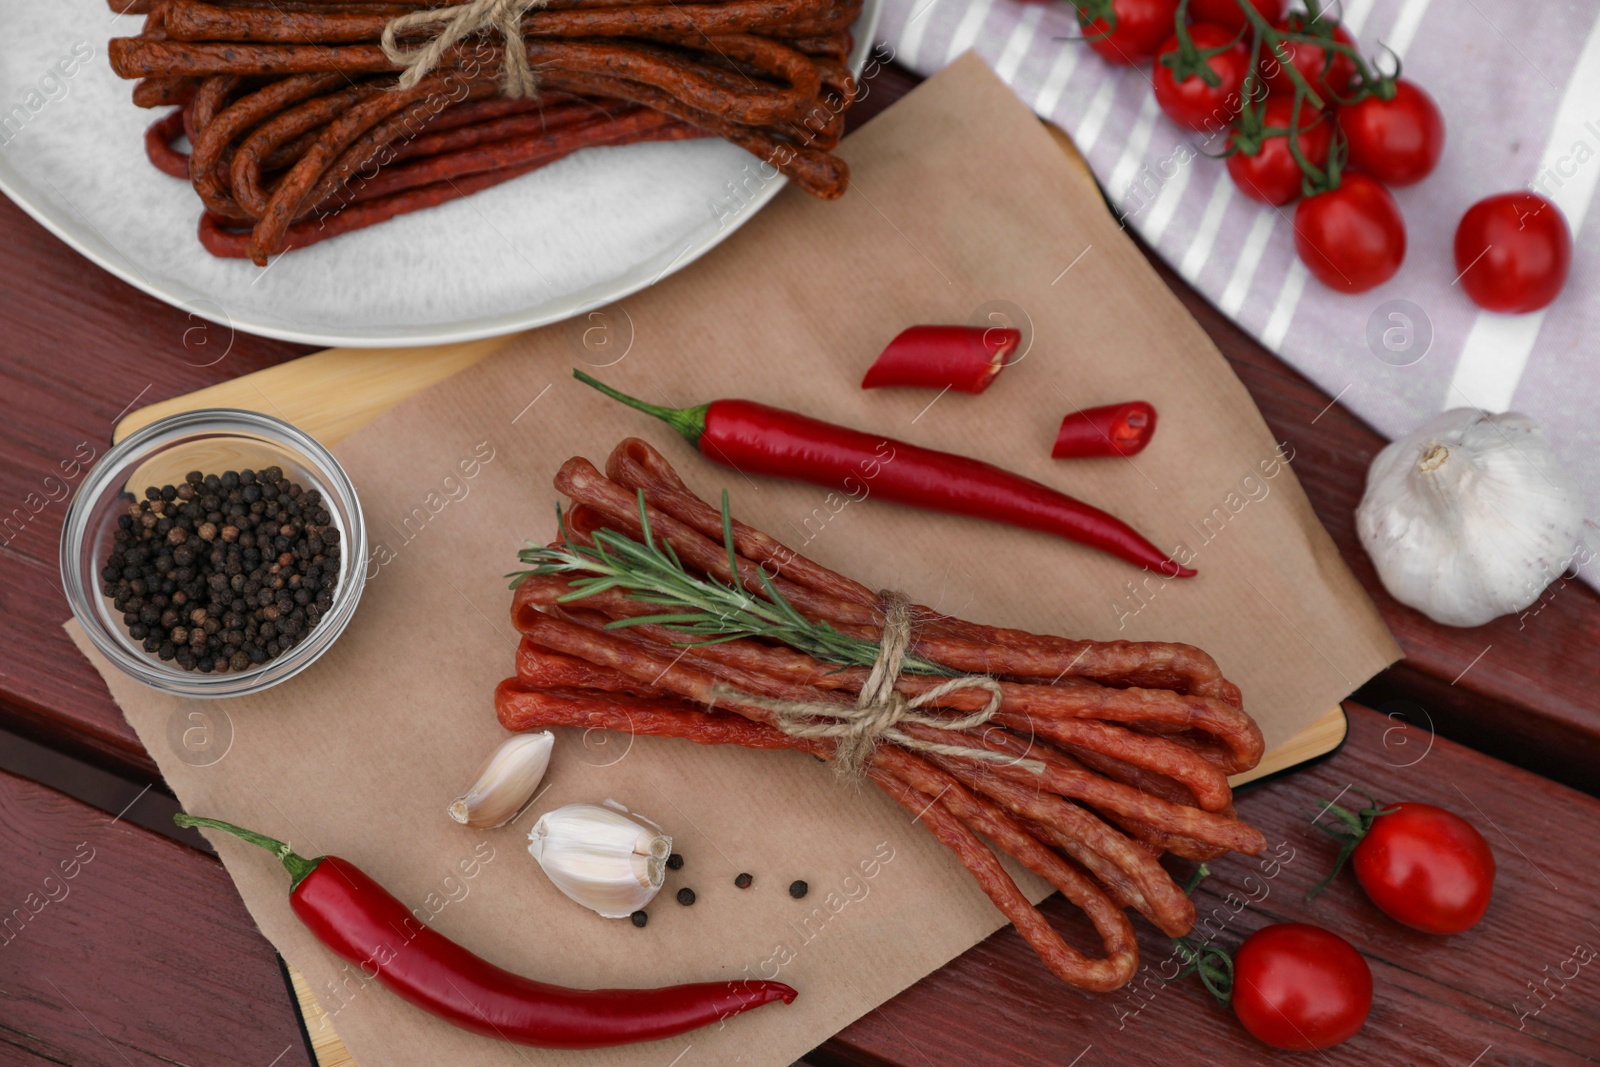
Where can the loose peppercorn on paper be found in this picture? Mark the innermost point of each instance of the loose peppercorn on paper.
(961, 209)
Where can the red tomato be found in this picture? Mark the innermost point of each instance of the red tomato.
(1141, 27)
(1270, 174)
(1426, 867)
(1228, 14)
(1190, 101)
(1299, 987)
(1351, 238)
(1397, 141)
(1513, 252)
(1328, 72)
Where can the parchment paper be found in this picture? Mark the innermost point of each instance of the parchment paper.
(960, 201)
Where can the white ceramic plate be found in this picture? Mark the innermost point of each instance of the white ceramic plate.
(576, 235)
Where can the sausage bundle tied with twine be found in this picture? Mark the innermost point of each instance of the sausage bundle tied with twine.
(453, 25)
(881, 708)
(1087, 788)
(281, 99)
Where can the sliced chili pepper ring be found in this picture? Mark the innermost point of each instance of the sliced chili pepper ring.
(964, 358)
(1112, 430)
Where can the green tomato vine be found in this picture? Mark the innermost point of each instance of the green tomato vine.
(1269, 45)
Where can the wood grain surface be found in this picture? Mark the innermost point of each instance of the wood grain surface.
(161, 964)
(119, 947)
(148, 955)
(1449, 1001)
(80, 348)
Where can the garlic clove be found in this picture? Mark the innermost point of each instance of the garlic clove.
(506, 781)
(1470, 517)
(601, 857)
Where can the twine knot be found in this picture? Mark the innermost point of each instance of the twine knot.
(455, 23)
(881, 708)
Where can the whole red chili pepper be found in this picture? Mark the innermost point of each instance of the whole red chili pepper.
(963, 358)
(366, 925)
(756, 439)
(1113, 430)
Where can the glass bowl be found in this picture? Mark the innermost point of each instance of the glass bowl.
(211, 441)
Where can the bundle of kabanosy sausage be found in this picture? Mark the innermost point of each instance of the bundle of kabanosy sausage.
(656, 613)
(312, 118)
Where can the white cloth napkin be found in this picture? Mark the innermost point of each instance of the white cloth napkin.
(1519, 84)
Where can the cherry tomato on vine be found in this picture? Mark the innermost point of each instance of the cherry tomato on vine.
(1327, 71)
(1141, 26)
(1228, 15)
(1426, 867)
(1398, 140)
(1299, 987)
(1270, 173)
(1351, 238)
(1189, 101)
(1513, 252)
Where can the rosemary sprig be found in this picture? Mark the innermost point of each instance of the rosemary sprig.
(702, 608)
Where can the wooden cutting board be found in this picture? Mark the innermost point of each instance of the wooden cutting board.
(331, 394)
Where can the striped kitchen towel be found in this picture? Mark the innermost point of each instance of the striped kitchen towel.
(1519, 84)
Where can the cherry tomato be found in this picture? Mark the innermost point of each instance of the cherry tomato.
(1299, 987)
(1141, 27)
(1270, 174)
(1426, 867)
(1397, 141)
(1228, 15)
(1190, 101)
(1513, 251)
(1328, 72)
(1351, 238)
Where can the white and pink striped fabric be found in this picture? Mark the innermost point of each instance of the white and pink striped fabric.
(1519, 84)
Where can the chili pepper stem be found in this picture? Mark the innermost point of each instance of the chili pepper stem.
(297, 866)
(690, 422)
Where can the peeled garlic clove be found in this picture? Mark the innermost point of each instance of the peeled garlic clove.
(601, 857)
(505, 782)
(1470, 517)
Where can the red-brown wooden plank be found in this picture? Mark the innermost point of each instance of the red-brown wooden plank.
(1449, 1002)
(120, 948)
(1522, 687)
(152, 946)
(79, 347)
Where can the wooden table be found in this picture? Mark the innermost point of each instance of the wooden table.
(146, 955)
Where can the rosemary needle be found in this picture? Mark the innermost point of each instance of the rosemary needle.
(702, 608)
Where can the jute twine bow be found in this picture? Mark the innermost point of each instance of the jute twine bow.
(881, 708)
(455, 23)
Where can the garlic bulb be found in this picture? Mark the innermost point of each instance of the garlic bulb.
(1470, 517)
(601, 857)
(505, 782)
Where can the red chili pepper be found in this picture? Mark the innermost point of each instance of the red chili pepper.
(756, 439)
(366, 925)
(964, 358)
(1113, 430)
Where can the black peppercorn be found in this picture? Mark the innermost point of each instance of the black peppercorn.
(674, 862)
(686, 896)
(798, 889)
(223, 571)
(639, 919)
(743, 881)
